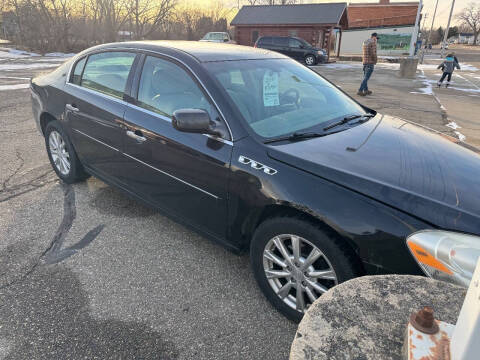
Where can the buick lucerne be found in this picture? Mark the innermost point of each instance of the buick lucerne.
(260, 153)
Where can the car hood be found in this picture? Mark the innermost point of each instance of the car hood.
(411, 168)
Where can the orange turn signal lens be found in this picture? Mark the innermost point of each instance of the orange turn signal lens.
(424, 257)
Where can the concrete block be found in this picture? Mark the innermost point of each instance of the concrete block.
(408, 67)
(367, 317)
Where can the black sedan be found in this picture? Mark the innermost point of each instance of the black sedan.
(259, 153)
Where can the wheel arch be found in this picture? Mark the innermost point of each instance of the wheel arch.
(45, 118)
(257, 217)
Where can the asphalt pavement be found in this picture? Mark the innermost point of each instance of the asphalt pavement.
(88, 273)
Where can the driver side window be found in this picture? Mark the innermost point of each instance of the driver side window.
(166, 87)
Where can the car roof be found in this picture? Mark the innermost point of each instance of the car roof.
(201, 51)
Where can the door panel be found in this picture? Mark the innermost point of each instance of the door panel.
(185, 174)
(96, 134)
(95, 109)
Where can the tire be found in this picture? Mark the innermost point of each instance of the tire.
(310, 60)
(61, 153)
(336, 261)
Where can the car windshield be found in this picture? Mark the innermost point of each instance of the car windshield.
(280, 96)
(214, 36)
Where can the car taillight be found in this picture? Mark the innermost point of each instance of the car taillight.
(255, 45)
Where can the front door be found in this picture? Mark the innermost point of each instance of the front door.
(185, 174)
(95, 110)
(295, 49)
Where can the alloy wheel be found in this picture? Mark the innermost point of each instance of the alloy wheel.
(309, 60)
(59, 152)
(297, 270)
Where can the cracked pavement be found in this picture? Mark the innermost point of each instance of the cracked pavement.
(86, 272)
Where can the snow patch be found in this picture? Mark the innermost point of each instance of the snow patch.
(14, 87)
(10, 67)
(427, 89)
(461, 137)
(453, 125)
(60, 54)
(341, 66)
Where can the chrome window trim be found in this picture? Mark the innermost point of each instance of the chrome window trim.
(150, 166)
(106, 96)
(161, 117)
(137, 50)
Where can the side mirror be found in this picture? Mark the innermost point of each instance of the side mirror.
(193, 121)
(225, 40)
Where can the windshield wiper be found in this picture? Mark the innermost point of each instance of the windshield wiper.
(295, 136)
(346, 119)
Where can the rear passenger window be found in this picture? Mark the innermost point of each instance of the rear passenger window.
(108, 72)
(266, 41)
(77, 71)
(166, 87)
(280, 41)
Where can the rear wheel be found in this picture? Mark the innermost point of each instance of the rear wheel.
(62, 155)
(310, 60)
(295, 262)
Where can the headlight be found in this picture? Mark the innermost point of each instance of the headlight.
(321, 52)
(445, 255)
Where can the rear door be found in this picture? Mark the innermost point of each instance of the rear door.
(185, 174)
(95, 109)
(281, 45)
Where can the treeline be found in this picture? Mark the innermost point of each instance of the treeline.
(72, 25)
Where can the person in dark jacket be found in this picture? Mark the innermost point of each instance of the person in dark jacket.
(448, 66)
(369, 58)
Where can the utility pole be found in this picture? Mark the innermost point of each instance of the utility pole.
(445, 36)
(413, 40)
(433, 20)
(424, 20)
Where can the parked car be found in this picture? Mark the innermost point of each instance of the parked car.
(259, 153)
(294, 47)
(218, 37)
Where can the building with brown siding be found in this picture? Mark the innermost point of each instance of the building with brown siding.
(315, 23)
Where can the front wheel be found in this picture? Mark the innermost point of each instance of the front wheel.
(295, 262)
(310, 60)
(62, 155)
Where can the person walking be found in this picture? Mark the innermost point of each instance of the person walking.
(369, 50)
(448, 66)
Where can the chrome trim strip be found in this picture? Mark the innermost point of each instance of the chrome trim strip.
(101, 142)
(108, 97)
(137, 50)
(150, 166)
(170, 175)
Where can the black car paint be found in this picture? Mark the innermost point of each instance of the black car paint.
(349, 182)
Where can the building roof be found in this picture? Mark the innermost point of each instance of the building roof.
(302, 14)
(381, 14)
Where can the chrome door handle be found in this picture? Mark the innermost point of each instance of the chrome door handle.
(71, 108)
(139, 138)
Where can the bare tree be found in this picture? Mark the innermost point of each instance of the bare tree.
(147, 16)
(470, 16)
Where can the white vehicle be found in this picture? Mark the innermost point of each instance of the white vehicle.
(218, 37)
